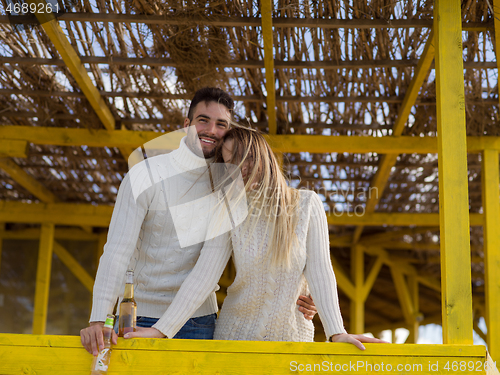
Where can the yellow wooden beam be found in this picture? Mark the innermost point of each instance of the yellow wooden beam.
(76, 67)
(421, 71)
(59, 234)
(13, 148)
(56, 213)
(99, 216)
(491, 239)
(389, 236)
(405, 267)
(43, 279)
(480, 332)
(383, 173)
(36, 354)
(403, 292)
(397, 219)
(343, 281)
(267, 36)
(414, 294)
(357, 304)
(279, 143)
(453, 180)
(26, 181)
(75, 267)
(372, 276)
(74, 64)
(2, 237)
(340, 241)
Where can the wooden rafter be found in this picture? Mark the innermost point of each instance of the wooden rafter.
(26, 181)
(77, 69)
(248, 21)
(279, 143)
(387, 162)
(99, 216)
(248, 98)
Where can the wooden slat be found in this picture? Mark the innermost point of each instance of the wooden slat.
(456, 294)
(65, 355)
(491, 238)
(13, 148)
(248, 21)
(357, 304)
(75, 267)
(26, 181)
(76, 67)
(387, 162)
(43, 279)
(343, 281)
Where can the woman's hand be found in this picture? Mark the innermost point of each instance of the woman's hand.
(307, 307)
(356, 340)
(145, 332)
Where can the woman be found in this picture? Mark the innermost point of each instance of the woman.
(279, 250)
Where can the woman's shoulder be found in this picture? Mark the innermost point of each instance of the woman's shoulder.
(309, 198)
(306, 194)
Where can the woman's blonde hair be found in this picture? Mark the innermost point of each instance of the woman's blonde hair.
(268, 194)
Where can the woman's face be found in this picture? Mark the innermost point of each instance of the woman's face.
(227, 153)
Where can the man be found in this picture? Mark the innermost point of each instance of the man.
(142, 233)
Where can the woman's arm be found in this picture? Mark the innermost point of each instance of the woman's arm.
(321, 279)
(319, 272)
(194, 290)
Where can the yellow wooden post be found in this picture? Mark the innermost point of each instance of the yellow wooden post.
(43, 278)
(2, 230)
(491, 236)
(413, 288)
(357, 308)
(453, 192)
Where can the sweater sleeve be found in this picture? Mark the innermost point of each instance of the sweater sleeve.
(126, 221)
(197, 286)
(319, 272)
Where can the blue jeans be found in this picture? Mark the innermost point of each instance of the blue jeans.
(200, 328)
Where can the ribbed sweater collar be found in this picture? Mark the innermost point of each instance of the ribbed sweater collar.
(187, 162)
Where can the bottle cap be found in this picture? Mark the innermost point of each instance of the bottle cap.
(110, 319)
(129, 277)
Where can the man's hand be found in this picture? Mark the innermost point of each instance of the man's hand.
(356, 340)
(307, 307)
(145, 332)
(93, 339)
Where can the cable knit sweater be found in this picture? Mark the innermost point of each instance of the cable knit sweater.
(142, 236)
(261, 302)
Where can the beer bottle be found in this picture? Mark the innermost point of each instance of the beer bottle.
(128, 307)
(101, 361)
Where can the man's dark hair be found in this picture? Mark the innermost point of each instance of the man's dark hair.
(210, 94)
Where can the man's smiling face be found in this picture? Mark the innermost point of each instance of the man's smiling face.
(212, 122)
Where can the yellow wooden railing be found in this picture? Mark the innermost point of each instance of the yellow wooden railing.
(45, 354)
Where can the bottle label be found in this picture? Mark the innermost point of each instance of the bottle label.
(100, 364)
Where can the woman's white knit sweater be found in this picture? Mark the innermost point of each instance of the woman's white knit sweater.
(261, 302)
(143, 236)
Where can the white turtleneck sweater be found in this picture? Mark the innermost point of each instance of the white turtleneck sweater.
(261, 302)
(143, 236)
